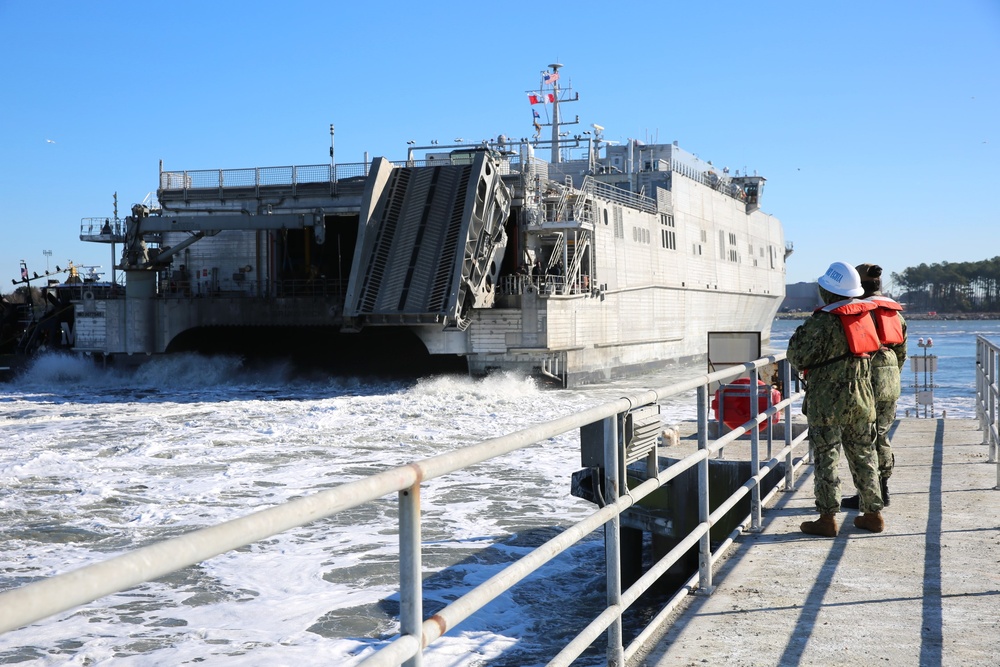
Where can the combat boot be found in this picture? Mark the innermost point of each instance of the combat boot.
(870, 521)
(850, 503)
(885, 491)
(825, 526)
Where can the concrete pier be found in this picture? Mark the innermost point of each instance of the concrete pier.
(924, 592)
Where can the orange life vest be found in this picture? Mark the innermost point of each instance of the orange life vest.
(862, 337)
(887, 322)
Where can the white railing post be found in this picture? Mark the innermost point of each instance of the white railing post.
(981, 361)
(705, 586)
(612, 538)
(411, 604)
(754, 397)
(993, 396)
(990, 393)
(786, 391)
(768, 424)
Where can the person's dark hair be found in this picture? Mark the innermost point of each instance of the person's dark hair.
(871, 278)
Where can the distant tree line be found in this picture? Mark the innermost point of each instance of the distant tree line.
(962, 287)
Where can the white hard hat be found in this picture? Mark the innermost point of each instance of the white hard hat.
(841, 279)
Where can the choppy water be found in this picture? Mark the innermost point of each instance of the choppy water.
(98, 462)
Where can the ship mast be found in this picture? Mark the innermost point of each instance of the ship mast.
(555, 113)
(557, 123)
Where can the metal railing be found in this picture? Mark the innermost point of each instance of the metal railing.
(102, 229)
(227, 181)
(38, 600)
(618, 195)
(292, 176)
(545, 285)
(987, 397)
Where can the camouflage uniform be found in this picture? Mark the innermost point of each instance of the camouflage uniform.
(840, 408)
(887, 364)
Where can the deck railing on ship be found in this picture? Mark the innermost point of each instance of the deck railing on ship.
(229, 182)
(618, 195)
(42, 599)
(232, 182)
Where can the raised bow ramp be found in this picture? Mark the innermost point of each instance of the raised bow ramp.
(430, 243)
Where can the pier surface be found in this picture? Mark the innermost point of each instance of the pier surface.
(924, 592)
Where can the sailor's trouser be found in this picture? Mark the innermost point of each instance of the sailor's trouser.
(857, 439)
(885, 415)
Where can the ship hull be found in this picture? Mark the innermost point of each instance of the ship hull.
(580, 351)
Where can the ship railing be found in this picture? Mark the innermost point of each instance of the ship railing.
(583, 209)
(513, 285)
(252, 179)
(988, 396)
(564, 198)
(102, 230)
(596, 188)
(619, 424)
(294, 177)
(722, 184)
(504, 168)
(546, 284)
(576, 277)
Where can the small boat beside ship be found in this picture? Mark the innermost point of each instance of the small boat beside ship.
(40, 319)
(603, 260)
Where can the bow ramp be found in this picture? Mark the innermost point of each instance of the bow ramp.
(430, 242)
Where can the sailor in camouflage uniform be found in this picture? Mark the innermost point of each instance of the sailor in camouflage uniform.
(839, 405)
(887, 364)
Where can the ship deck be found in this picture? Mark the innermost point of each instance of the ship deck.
(925, 591)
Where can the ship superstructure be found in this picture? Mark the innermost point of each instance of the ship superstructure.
(603, 260)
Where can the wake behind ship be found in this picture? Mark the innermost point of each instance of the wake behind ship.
(606, 259)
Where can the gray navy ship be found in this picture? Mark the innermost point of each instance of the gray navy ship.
(603, 260)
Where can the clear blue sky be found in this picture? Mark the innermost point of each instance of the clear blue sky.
(875, 123)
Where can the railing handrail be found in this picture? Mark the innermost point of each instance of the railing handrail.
(608, 192)
(988, 396)
(38, 600)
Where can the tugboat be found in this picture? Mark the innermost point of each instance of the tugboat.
(43, 319)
